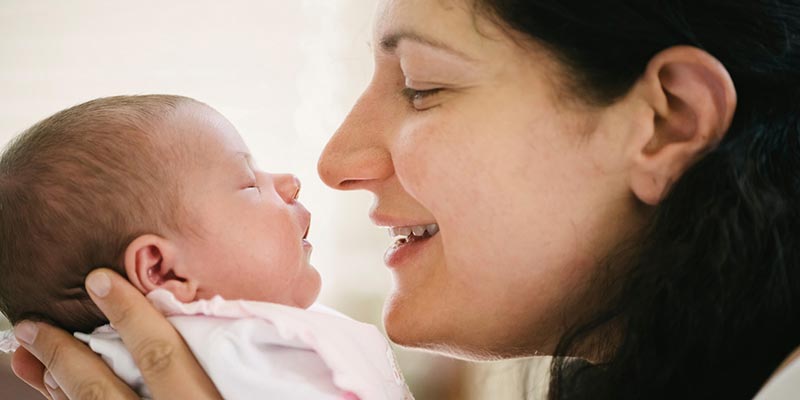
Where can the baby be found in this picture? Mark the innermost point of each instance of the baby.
(163, 190)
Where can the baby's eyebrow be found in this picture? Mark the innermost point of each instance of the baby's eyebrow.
(247, 158)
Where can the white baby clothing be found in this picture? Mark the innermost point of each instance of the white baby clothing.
(257, 350)
(785, 385)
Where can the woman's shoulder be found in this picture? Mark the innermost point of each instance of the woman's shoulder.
(785, 382)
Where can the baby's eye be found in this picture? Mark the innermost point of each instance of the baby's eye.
(417, 98)
(256, 187)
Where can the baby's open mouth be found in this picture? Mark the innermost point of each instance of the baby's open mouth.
(410, 234)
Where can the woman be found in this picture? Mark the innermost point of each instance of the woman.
(609, 182)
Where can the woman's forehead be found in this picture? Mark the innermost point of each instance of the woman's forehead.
(449, 25)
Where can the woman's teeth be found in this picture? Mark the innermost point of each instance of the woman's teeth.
(402, 235)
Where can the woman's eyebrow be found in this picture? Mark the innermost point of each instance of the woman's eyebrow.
(391, 41)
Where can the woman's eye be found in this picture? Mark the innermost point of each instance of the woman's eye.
(418, 98)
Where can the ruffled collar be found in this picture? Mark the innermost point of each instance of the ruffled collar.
(8, 343)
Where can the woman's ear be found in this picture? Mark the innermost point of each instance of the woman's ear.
(152, 262)
(693, 100)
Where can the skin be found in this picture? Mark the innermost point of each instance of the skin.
(530, 188)
(515, 238)
(243, 236)
(245, 228)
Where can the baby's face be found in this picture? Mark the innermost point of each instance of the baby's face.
(247, 230)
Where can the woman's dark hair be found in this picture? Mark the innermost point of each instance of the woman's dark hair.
(710, 306)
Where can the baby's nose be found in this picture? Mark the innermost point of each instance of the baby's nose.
(287, 186)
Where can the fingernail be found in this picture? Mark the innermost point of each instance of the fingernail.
(26, 332)
(49, 381)
(99, 284)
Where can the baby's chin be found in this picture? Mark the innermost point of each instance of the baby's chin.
(307, 294)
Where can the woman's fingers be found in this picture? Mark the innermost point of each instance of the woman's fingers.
(53, 389)
(168, 367)
(29, 369)
(60, 367)
(75, 370)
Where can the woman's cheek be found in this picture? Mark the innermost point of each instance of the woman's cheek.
(417, 158)
(431, 159)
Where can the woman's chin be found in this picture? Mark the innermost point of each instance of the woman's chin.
(402, 326)
(422, 329)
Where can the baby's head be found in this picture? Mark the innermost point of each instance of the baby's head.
(160, 188)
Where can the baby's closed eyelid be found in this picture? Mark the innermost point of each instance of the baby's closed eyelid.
(253, 186)
(250, 181)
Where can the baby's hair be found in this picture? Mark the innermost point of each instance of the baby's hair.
(75, 190)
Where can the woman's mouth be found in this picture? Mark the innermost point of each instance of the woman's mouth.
(409, 234)
(408, 241)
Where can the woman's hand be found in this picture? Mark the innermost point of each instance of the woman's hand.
(73, 371)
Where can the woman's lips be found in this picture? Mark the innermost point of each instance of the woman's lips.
(404, 251)
(410, 236)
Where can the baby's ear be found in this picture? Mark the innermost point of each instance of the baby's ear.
(152, 262)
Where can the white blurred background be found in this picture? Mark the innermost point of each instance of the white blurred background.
(284, 72)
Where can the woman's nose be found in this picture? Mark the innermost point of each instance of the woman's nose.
(355, 157)
(287, 186)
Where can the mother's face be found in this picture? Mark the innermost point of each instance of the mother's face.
(465, 127)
